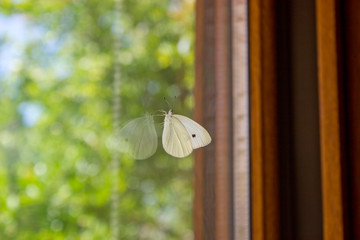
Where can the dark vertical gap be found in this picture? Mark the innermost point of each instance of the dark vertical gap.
(306, 129)
(345, 115)
(284, 118)
(298, 121)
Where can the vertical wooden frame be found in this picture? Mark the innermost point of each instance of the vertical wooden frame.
(264, 155)
(212, 203)
(222, 88)
(220, 68)
(223, 123)
(332, 155)
(204, 164)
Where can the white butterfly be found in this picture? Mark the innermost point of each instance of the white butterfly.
(181, 135)
(139, 138)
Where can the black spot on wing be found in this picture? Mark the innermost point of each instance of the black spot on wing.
(194, 135)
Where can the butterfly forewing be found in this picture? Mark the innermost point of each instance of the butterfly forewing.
(175, 139)
(198, 135)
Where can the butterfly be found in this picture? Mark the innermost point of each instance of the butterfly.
(181, 135)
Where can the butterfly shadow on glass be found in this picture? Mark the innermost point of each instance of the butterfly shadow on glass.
(138, 138)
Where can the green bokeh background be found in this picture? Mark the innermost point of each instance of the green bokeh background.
(56, 97)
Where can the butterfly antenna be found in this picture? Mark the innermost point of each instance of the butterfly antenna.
(168, 103)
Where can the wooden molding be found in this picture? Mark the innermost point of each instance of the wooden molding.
(212, 205)
(264, 155)
(329, 77)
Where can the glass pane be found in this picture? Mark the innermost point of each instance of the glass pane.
(57, 118)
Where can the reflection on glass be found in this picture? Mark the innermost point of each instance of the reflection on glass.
(138, 138)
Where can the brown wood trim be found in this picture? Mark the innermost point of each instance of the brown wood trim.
(204, 92)
(212, 205)
(330, 122)
(352, 68)
(263, 112)
(223, 110)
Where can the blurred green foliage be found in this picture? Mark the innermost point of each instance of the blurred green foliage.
(56, 74)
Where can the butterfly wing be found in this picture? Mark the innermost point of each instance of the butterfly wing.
(175, 139)
(139, 138)
(198, 135)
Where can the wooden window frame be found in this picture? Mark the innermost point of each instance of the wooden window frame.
(221, 208)
(237, 77)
